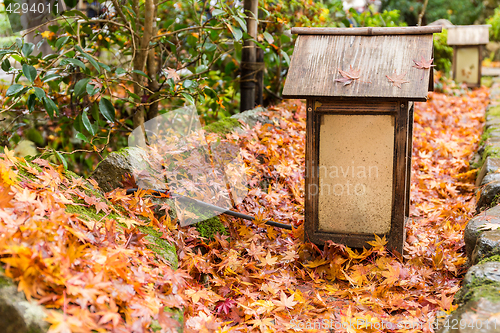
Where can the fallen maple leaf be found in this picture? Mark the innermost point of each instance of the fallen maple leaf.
(225, 306)
(285, 301)
(423, 64)
(349, 76)
(397, 80)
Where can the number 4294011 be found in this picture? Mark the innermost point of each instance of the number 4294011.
(36, 8)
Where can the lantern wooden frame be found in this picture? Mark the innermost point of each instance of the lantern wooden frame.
(463, 37)
(313, 60)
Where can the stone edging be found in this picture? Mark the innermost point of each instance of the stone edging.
(479, 297)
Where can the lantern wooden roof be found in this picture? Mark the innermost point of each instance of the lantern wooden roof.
(468, 35)
(375, 52)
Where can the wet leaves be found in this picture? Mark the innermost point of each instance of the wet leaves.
(97, 274)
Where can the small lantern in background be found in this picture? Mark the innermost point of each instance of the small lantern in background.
(360, 84)
(468, 42)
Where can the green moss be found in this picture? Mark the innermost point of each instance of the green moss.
(160, 245)
(489, 259)
(494, 111)
(486, 135)
(488, 151)
(209, 228)
(479, 289)
(224, 126)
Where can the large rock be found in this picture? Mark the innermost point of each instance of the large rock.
(477, 316)
(488, 245)
(472, 231)
(478, 278)
(18, 315)
(118, 166)
(488, 195)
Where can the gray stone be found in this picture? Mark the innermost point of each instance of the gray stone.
(252, 117)
(472, 232)
(491, 164)
(488, 195)
(18, 315)
(478, 278)
(111, 171)
(492, 122)
(491, 177)
(478, 316)
(488, 244)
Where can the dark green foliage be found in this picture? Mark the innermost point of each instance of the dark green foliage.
(459, 12)
(443, 54)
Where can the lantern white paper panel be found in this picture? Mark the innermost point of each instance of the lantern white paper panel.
(467, 64)
(355, 173)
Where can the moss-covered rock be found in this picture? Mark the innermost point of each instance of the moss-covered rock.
(224, 126)
(482, 280)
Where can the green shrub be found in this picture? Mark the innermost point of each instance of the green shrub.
(443, 53)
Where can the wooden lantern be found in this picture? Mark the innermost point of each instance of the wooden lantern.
(467, 42)
(360, 84)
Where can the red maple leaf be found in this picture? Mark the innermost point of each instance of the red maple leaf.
(225, 306)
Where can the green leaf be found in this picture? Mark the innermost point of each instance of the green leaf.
(62, 159)
(237, 34)
(50, 56)
(75, 62)
(188, 84)
(268, 37)
(31, 102)
(120, 71)
(29, 72)
(76, 13)
(39, 93)
(106, 67)
(200, 69)
(61, 42)
(107, 109)
(87, 124)
(50, 107)
(217, 12)
(81, 87)
(81, 137)
(241, 22)
(89, 58)
(188, 98)
(51, 77)
(286, 57)
(71, 3)
(209, 47)
(14, 89)
(6, 65)
(91, 89)
(140, 73)
(28, 49)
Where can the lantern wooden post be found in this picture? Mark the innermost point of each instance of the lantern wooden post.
(468, 42)
(360, 84)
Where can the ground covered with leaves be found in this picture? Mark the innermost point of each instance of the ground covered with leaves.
(98, 275)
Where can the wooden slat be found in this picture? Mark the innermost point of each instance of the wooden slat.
(355, 107)
(468, 35)
(317, 59)
(367, 31)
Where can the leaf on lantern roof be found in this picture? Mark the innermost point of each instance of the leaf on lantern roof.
(397, 80)
(423, 64)
(349, 76)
